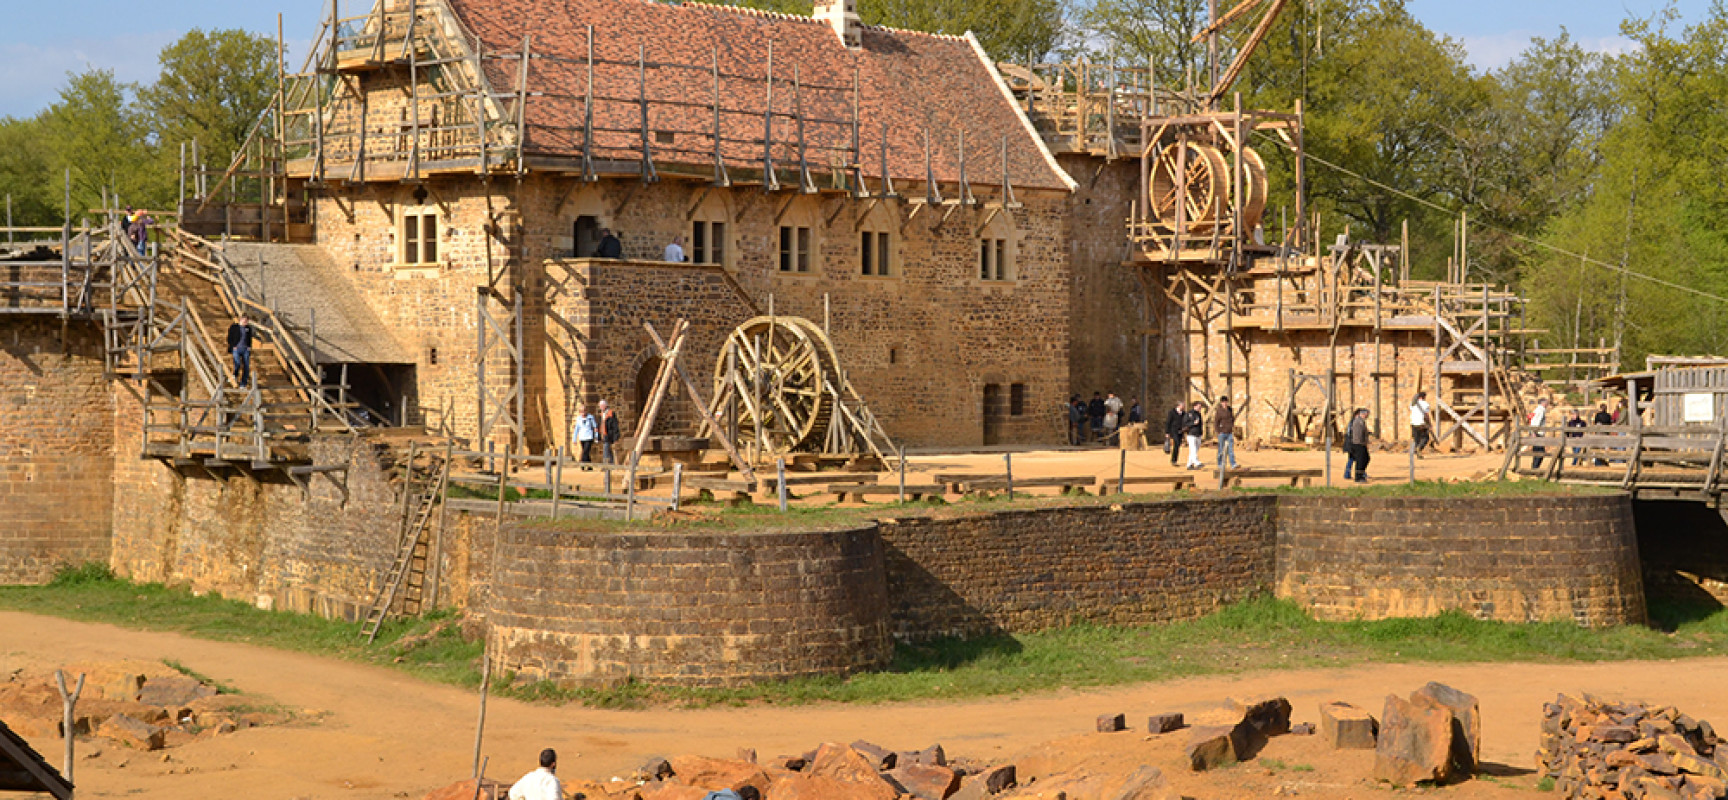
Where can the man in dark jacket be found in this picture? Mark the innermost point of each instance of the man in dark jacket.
(609, 247)
(1173, 424)
(1076, 420)
(610, 432)
(1224, 424)
(1095, 411)
(1602, 418)
(1356, 445)
(240, 347)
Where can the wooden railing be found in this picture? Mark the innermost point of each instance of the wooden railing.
(1663, 460)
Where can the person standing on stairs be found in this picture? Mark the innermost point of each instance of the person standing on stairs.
(240, 347)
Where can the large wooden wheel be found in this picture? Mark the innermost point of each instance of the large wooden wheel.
(1194, 178)
(779, 370)
(1254, 189)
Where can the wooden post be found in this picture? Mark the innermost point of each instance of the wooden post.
(677, 484)
(1008, 468)
(503, 473)
(1513, 448)
(630, 492)
(67, 703)
(780, 479)
(557, 479)
(407, 490)
(1121, 470)
(480, 726)
(443, 519)
(900, 456)
(1326, 420)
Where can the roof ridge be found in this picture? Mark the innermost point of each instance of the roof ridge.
(754, 12)
(950, 36)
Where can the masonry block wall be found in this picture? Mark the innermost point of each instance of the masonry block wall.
(56, 444)
(1522, 559)
(700, 609)
(1023, 571)
(257, 537)
(1108, 299)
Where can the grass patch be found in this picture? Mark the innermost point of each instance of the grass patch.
(1256, 634)
(219, 686)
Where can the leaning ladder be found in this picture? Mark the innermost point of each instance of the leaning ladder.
(408, 574)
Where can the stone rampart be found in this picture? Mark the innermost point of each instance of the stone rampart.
(1515, 559)
(707, 609)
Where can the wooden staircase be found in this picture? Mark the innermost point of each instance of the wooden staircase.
(404, 586)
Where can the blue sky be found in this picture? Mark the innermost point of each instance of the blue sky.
(42, 41)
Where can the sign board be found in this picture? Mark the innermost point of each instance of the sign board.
(1698, 407)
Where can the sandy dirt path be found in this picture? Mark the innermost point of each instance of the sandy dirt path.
(382, 734)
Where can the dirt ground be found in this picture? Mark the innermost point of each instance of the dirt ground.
(369, 732)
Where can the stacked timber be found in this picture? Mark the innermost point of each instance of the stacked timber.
(1595, 749)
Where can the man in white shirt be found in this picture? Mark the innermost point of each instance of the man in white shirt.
(541, 784)
(675, 251)
(1419, 416)
(1538, 418)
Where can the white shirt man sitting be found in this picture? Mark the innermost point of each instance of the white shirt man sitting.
(541, 784)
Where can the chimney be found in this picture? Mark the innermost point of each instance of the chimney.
(842, 15)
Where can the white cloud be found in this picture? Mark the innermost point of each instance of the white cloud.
(31, 75)
(1493, 51)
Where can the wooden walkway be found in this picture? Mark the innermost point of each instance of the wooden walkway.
(1653, 463)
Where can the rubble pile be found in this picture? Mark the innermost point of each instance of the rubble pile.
(136, 705)
(859, 771)
(1595, 749)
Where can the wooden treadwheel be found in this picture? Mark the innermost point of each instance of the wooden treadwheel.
(1192, 177)
(780, 370)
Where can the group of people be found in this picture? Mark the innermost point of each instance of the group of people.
(610, 246)
(1186, 423)
(1602, 416)
(603, 429)
(1101, 419)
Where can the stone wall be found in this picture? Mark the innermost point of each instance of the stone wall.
(1521, 559)
(257, 537)
(706, 609)
(56, 448)
(1023, 571)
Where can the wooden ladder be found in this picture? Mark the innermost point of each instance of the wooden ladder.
(407, 577)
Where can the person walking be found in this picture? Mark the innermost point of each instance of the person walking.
(610, 432)
(1420, 413)
(540, 784)
(1193, 427)
(1539, 418)
(1224, 424)
(240, 348)
(1356, 445)
(1174, 423)
(587, 430)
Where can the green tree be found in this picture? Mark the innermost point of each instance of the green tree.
(212, 88)
(23, 168)
(96, 132)
(1022, 31)
(1155, 32)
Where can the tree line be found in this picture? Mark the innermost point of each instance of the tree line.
(1573, 165)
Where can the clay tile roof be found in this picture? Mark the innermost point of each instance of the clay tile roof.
(22, 769)
(910, 82)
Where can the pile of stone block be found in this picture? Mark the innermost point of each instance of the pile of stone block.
(859, 771)
(138, 708)
(1595, 749)
(1241, 735)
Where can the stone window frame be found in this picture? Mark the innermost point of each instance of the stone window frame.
(996, 252)
(418, 213)
(883, 249)
(715, 209)
(802, 215)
